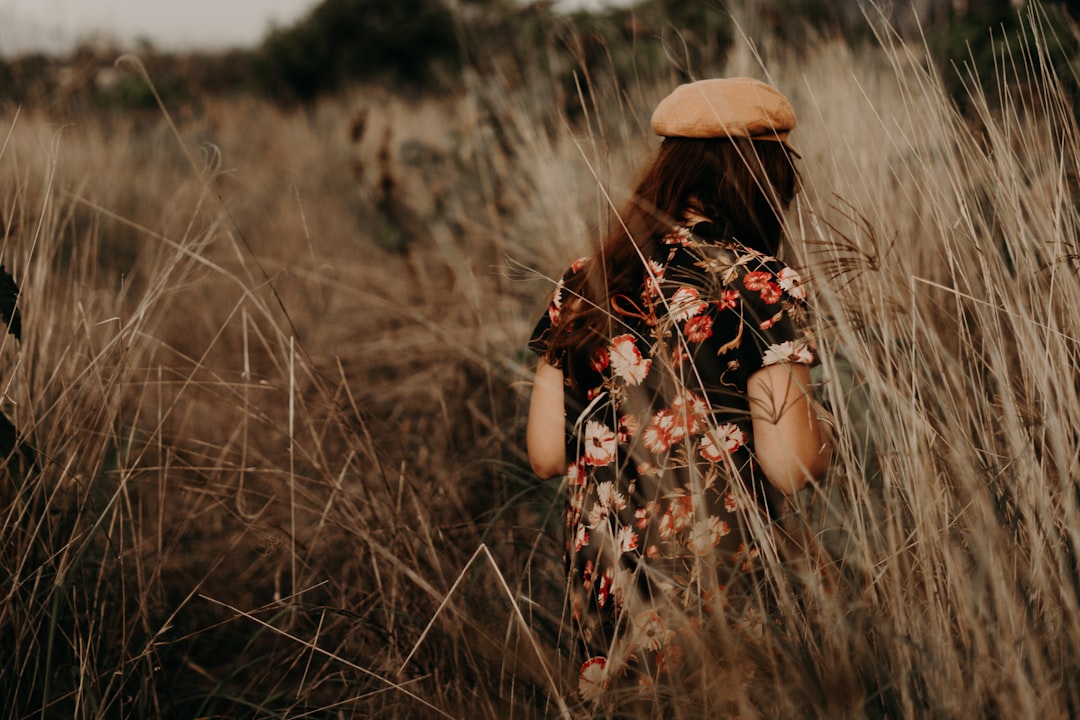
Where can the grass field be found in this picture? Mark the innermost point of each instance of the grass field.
(273, 370)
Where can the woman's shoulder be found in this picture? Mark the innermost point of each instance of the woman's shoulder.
(715, 264)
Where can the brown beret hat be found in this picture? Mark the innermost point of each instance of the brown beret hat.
(725, 107)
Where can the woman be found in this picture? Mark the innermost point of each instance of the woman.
(673, 388)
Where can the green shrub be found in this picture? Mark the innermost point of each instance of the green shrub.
(349, 40)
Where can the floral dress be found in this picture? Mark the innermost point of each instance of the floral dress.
(665, 498)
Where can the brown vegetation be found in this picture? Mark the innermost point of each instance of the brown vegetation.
(275, 372)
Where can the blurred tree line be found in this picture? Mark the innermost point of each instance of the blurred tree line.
(424, 45)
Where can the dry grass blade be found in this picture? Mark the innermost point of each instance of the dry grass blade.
(311, 646)
(540, 655)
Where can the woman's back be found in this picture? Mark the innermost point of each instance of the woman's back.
(663, 483)
(673, 393)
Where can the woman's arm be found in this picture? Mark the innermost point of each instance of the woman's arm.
(790, 445)
(545, 432)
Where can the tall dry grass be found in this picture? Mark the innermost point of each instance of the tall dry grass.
(272, 369)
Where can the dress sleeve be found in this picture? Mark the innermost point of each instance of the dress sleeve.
(740, 311)
(774, 316)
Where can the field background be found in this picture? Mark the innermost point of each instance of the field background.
(272, 372)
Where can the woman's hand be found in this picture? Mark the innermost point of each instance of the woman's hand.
(545, 434)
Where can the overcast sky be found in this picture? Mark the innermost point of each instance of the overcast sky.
(27, 24)
(173, 24)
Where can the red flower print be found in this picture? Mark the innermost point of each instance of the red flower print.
(766, 324)
(554, 313)
(646, 468)
(575, 474)
(763, 282)
(757, 280)
(729, 300)
(599, 360)
(770, 293)
(578, 264)
(573, 513)
(555, 306)
(698, 329)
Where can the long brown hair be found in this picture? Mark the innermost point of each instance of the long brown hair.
(743, 186)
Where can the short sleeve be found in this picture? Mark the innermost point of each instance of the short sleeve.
(774, 316)
(738, 310)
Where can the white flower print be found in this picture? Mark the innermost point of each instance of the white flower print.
(652, 632)
(581, 538)
(654, 274)
(731, 504)
(707, 534)
(641, 517)
(690, 412)
(679, 235)
(658, 436)
(600, 444)
(791, 283)
(593, 679)
(608, 496)
(746, 555)
(606, 588)
(627, 539)
(788, 351)
(722, 441)
(655, 439)
(682, 512)
(555, 306)
(597, 514)
(629, 426)
(575, 474)
(666, 526)
(685, 303)
(626, 360)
